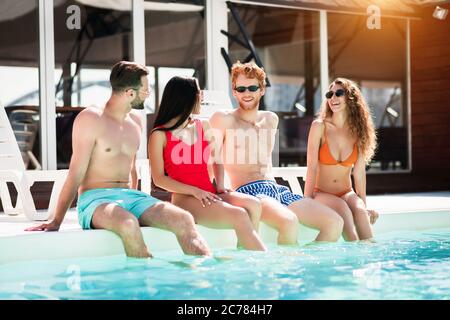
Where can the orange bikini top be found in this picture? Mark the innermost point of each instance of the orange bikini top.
(325, 156)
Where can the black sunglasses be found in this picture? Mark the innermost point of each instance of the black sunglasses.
(338, 93)
(250, 88)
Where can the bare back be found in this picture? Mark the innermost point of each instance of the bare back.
(247, 148)
(112, 155)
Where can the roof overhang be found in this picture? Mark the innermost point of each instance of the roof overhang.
(388, 8)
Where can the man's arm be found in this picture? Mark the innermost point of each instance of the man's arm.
(84, 135)
(214, 132)
(133, 174)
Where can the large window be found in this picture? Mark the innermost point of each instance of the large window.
(376, 60)
(287, 43)
(84, 55)
(19, 75)
(175, 43)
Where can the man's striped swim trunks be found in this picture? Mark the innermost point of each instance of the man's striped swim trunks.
(269, 189)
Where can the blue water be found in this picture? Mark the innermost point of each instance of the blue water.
(407, 265)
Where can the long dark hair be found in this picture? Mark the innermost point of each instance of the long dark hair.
(179, 100)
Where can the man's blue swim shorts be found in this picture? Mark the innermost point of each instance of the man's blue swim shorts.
(134, 201)
(269, 189)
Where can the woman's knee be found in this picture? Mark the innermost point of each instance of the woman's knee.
(238, 217)
(360, 213)
(344, 211)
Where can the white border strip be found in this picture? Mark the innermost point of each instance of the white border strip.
(315, 9)
(47, 85)
(408, 93)
(324, 71)
(216, 20)
(138, 33)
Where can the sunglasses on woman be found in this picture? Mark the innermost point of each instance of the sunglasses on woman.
(249, 88)
(338, 93)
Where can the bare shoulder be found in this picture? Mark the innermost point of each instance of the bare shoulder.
(270, 117)
(88, 117)
(222, 118)
(318, 124)
(158, 136)
(317, 128)
(135, 117)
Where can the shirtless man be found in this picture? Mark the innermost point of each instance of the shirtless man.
(281, 209)
(102, 170)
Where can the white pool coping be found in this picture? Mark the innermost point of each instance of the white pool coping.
(416, 211)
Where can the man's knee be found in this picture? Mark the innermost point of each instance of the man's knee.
(186, 219)
(335, 222)
(183, 220)
(288, 223)
(128, 225)
(255, 208)
(255, 204)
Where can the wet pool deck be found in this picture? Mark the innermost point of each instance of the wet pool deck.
(415, 211)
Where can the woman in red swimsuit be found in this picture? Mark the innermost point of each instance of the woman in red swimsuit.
(179, 151)
(342, 138)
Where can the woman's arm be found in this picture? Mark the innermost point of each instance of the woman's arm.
(312, 156)
(359, 176)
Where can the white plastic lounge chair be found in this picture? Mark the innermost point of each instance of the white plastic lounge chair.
(290, 174)
(143, 173)
(12, 169)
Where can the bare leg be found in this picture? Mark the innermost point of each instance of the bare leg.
(315, 215)
(251, 204)
(282, 219)
(341, 207)
(222, 215)
(165, 215)
(116, 219)
(360, 215)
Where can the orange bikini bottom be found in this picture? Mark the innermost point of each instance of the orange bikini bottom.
(339, 194)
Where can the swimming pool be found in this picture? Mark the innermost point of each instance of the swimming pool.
(401, 265)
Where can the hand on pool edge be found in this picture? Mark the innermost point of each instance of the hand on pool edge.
(52, 226)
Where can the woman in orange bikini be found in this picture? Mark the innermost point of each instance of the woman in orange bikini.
(342, 138)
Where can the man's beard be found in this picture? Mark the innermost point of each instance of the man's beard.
(255, 105)
(137, 104)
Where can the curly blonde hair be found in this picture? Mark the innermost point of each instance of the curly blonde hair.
(250, 70)
(359, 117)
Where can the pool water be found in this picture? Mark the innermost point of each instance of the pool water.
(406, 265)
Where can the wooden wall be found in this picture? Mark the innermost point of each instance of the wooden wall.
(430, 111)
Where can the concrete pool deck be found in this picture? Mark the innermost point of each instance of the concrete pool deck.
(415, 211)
